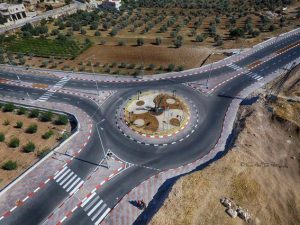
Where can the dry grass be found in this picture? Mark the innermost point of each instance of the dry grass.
(260, 173)
(24, 160)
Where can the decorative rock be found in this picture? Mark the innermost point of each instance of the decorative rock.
(232, 213)
(226, 202)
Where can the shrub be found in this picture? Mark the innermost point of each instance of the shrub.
(41, 154)
(19, 124)
(61, 120)
(9, 107)
(97, 33)
(6, 122)
(14, 143)
(32, 128)
(158, 41)
(180, 68)
(170, 67)
(21, 111)
(10, 165)
(121, 43)
(48, 134)
(34, 113)
(140, 42)
(199, 38)
(29, 147)
(46, 116)
(2, 137)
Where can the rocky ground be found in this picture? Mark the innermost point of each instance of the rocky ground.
(259, 174)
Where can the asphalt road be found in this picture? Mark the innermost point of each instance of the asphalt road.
(212, 108)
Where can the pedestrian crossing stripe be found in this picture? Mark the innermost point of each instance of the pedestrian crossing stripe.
(95, 208)
(51, 91)
(68, 180)
(254, 76)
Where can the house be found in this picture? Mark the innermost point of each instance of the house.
(110, 4)
(12, 13)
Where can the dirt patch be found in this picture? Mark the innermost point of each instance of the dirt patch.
(175, 122)
(260, 173)
(24, 160)
(157, 55)
(140, 103)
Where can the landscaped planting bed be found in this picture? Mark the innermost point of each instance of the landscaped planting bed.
(26, 135)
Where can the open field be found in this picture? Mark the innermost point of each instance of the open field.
(18, 154)
(260, 173)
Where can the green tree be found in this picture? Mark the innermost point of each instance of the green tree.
(2, 137)
(140, 41)
(199, 38)
(158, 41)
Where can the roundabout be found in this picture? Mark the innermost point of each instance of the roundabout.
(157, 117)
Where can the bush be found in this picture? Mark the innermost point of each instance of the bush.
(9, 107)
(32, 129)
(34, 113)
(2, 137)
(170, 67)
(140, 42)
(180, 68)
(48, 134)
(62, 120)
(6, 122)
(97, 33)
(41, 154)
(29, 147)
(199, 38)
(21, 111)
(10, 165)
(14, 143)
(19, 124)
(46, 116)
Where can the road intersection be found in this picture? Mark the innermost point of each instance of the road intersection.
(216, 88)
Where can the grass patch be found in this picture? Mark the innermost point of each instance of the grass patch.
(45, 47)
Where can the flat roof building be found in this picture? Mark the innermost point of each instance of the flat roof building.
(12, 12)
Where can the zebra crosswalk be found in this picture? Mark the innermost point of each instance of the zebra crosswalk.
(235, 67)
(254, 76)
(68, 180)
(95, 208)
(52, 91)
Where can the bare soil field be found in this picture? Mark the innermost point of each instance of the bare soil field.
(24, 160)
(260, 173)
(107, 56)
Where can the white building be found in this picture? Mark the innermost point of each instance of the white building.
(12, 12)
(106, 3)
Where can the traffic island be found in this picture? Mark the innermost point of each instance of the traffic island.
(157, 117)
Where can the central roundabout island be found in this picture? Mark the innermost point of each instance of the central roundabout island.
(157, 117)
